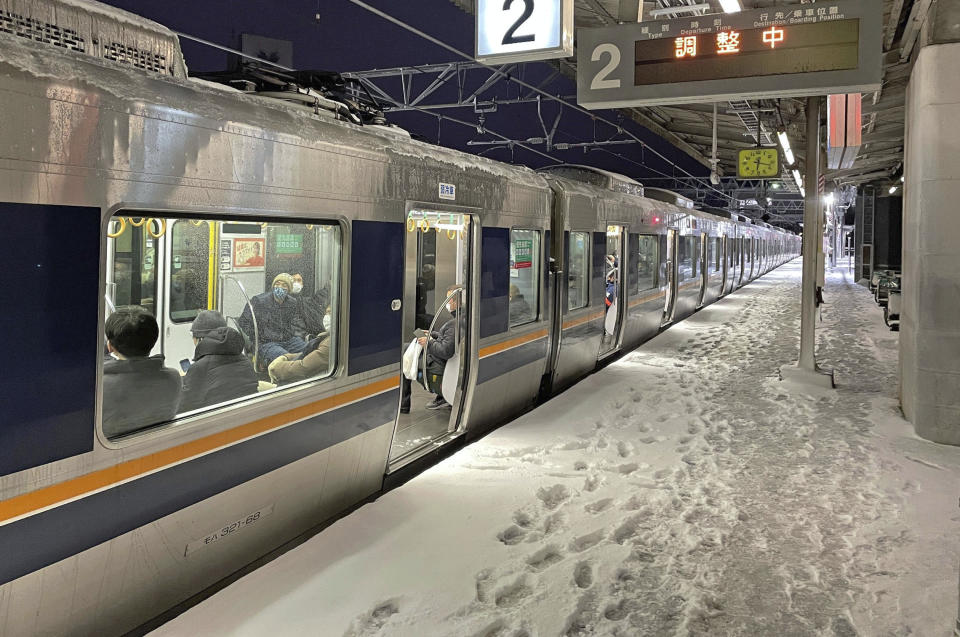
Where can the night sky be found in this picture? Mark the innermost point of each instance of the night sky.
(349, 38)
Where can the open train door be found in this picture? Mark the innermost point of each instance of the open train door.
(439, 253)
(671, 271)
(614, 299)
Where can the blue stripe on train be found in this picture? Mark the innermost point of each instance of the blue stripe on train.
(45, 538)
(49, 283)
(508, 360)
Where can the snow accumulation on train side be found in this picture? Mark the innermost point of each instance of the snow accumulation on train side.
(683, 490)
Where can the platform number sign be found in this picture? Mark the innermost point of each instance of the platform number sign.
(523, 30)
(832, 46)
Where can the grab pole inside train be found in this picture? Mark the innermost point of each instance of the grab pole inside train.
(806, 370)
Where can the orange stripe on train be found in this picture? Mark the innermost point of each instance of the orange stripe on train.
(97, 480)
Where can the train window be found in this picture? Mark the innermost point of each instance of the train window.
(713, 254)
(578, 276)
(524, 276)
(688, 263)
(189, 266)
(247, 308)
(647, 261)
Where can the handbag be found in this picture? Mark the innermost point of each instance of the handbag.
(411, 360)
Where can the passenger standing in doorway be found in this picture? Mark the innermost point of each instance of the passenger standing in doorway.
(440, 346)
(279, 318)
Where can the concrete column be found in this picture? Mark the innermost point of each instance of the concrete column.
(930, 316)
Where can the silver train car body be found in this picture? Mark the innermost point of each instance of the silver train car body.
(100, 535)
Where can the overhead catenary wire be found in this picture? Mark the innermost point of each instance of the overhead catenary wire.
(536, 89)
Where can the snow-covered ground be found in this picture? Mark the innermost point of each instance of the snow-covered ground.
(683, 490)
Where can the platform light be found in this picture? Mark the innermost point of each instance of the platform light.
(901, 179)
(730, 6)
(798, 179)
(785, 145)
(893, 189)
(775, 185)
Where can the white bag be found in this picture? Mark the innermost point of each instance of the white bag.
(411, 360)
(451, 378)
(610, 322)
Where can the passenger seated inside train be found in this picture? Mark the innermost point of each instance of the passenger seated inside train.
(520, 311)
(314, 305)
(138, 390)
(279, 317)
(313, 361)
(220, 372)
(440, 346)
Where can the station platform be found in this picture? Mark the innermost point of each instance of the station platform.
(683, 489)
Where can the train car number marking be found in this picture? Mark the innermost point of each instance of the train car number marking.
(228, 529)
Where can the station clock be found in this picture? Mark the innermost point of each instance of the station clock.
(758, 163)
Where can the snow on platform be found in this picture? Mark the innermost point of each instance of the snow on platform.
(682, 490)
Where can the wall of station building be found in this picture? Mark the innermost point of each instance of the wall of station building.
(930, 316)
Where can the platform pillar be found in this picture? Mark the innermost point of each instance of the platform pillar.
(930, 316)
(806, 370)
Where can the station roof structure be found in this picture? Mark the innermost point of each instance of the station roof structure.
(416, 59)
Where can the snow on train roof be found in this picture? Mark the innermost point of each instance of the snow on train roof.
(237, 108)
(117, 15)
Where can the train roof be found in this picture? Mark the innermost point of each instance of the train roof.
(668, 196)
(176, 97)
(596, 177)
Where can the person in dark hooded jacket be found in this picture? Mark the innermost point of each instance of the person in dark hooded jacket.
(220, 372)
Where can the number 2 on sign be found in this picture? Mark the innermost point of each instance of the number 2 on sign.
(510, 38)
(600, 80)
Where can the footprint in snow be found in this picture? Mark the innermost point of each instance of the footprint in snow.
(371, 622)
(583, 575)
(545, 558)
(554, 496)
(584, 542)
(599, 506)
(513, 534)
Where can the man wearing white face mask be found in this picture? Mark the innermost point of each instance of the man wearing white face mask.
(313, 305)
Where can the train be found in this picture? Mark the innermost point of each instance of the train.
(128, 182)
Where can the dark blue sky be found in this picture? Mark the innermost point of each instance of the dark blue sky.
(348, 38)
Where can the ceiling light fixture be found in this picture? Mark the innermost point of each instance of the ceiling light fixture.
(785, 145)
(730, 6)
(893, 189)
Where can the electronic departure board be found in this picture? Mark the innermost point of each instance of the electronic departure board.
(789, 51)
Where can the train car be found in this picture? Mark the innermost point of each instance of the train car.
(129, 184)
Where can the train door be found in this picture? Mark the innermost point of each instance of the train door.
(671, 272)
(724, 263)
(704, 266)
(187, 285)
(436, 301)
(132, 264)
(614, 298)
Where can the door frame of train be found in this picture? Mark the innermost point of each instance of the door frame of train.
(725, 263)
(617, 340)
(460, 407)
(704, 268)
(670, 300)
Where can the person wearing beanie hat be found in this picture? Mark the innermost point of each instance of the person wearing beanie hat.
(280, 326)
(206, 322)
